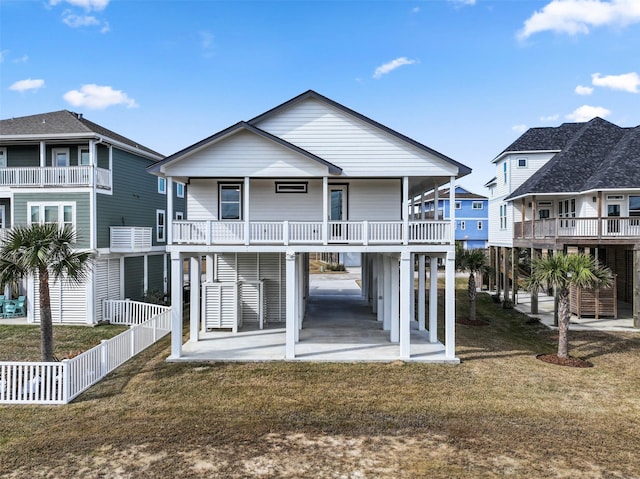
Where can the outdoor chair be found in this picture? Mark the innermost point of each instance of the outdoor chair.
(1, 302)
(9, 310)
(20, 311)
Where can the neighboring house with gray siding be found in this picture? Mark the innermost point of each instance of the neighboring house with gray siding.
(60, 167)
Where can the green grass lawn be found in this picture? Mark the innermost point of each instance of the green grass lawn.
(500, 413)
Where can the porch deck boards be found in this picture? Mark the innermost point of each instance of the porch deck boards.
(338, 326)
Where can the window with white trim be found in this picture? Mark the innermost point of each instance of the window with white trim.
(60, 156)
(463, 225)
(503, 217)
(162, 185)
(230, 201)
(3, 157)
(634, 205)
(477, 205)
(180, 190)
(522, 162)
(480, 226)
(291, 187)
(62, 214)
(458, 205)
(504, 172)
(179, 215)
(161, 226)
(84, 159)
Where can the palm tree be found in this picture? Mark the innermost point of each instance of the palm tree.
(562, 271)
(45, 250)
(473, 261)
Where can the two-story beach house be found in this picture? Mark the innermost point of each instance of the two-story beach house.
(61, 168)
(310, 175)
(586, 198)
(472, 215)
(513, 166)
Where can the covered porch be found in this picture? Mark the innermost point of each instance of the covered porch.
(366, 314)
(339, 325)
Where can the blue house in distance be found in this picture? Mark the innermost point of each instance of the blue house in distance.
(472, 215)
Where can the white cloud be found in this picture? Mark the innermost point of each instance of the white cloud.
(625, 82)
(550, 118)
(88, 5)
(28, 84)
(463, 2)
(587, 112)
(415, 10)
(76, 21)
(392, 65)
(98, 97)
(577, 16)
(583, 90)
(519, 128)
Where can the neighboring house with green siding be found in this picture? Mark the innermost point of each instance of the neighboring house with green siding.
(61, 168)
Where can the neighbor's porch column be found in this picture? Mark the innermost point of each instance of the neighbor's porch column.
(210, 268)
(433, 299)
(194, 306)
(405, 210)
(406, 283)
(245, 211)
(290, 325)
(534, 294)
(386, 296)
(452, 208)
(450, 306)
(636, 288)
(168, 219)
(381, 282)
(43, 154)
(421, 292)
(176, 304)
(395, 298)
(325, 210)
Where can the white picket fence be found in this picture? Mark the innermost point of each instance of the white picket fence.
(61, 382)
(129, 312)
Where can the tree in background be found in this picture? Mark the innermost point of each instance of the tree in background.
(472, 261)
(43, 250)
(563, 271)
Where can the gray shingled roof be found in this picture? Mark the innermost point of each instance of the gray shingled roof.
(600, 155)
(544, 138)
(63, 122)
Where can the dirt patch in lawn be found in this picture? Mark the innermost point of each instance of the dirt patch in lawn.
(570, 361)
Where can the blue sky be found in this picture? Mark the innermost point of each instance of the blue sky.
(465, 77)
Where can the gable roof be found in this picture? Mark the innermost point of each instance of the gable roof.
(241, 126)
(61, 124)
(600, 155)
(310, 94)
(461, 194)
(543, 139)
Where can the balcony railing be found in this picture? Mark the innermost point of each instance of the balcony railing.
(55, 176)
(310, 232)
(130, 239)
(603, 228)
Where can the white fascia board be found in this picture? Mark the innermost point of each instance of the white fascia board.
(523, 152)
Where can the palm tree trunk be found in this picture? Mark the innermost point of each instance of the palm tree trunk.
(563, 323)
(46, 323)
(472, 297)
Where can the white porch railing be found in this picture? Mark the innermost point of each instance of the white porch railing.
(310, 232)
(601, 228)
(59, 383)
(130, 239)
(130, 312)
(32, 176)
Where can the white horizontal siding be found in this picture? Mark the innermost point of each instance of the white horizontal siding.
(357, 147)
(246, 154)
(202, 200)
(375, 200)
(267, 205)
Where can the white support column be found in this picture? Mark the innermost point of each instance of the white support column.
(421, 289)
(291, 327)
(380, 292)
(299, 295)
(412, 290)
(386, 316)
(145, 273)
(452, 208)
(405, 210)
(43, 154)
(168, 220)
(422, 208)
(325, 210)
(210, 268)
(406, 282)
(375, 277)
(176, 305)
(450, 306)
(436, 200)
(433, 299)
(194, 306)
(165, 274)
(245, 214)
(395, 299)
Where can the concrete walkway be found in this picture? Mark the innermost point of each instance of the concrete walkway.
(546, 308)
